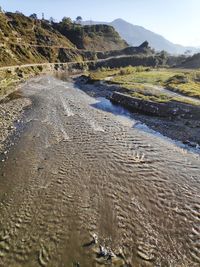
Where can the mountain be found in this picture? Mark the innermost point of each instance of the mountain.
(135, 35)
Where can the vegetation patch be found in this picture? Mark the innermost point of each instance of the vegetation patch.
(187, 84)
(151, 83)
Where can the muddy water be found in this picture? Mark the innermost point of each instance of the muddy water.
(80, 169)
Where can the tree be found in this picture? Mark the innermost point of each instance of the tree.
(66, 23)
(33, 16)
(66, 20)
(79, 19)
(51, 20)
(163, 54)
(163, 57)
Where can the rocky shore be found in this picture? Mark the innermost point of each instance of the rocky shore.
(180, 122)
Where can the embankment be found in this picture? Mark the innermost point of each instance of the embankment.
(124, 61)
(175, 120)
(167, 109)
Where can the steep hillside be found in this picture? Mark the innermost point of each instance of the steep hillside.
(17, 28)
(135, 35)
(14, 54)
(26, 40)
(91, 37)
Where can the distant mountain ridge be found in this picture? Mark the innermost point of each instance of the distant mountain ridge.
(135, 35)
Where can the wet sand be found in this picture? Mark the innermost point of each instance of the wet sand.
(80, 169)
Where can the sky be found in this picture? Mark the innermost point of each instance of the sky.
(176, 20)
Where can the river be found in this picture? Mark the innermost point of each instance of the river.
(80, 169)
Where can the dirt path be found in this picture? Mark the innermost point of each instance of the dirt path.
(60, 63)
(37, 64)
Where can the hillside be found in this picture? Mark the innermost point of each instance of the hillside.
(135, 35)
(92, 37)
(17, 28)
(26, 40)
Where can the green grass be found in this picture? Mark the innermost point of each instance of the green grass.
(102, 74)
(140, 81)
(188, 85)
(151, 77)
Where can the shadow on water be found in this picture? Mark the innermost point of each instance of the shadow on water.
(106, 105)
(129, 119)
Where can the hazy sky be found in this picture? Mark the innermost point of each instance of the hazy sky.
(177, 20)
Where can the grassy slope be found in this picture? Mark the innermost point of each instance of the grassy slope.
(139, 81)
(93, 37)
(102, 38)
(14, 26)
(185, 83)
(20, 37)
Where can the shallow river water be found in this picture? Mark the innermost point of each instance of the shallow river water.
(79, 170)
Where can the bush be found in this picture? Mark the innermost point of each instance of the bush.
(178, 79)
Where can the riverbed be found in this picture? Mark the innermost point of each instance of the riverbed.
(81, 168)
